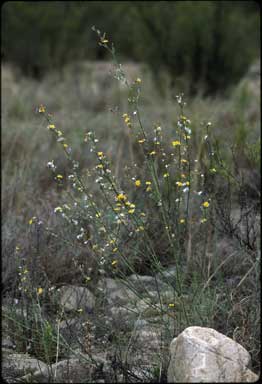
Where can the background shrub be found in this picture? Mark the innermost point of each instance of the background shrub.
(200, 40)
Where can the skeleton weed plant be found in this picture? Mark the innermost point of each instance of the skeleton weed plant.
(145, 218)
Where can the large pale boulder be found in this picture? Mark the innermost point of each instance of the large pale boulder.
(205, 355)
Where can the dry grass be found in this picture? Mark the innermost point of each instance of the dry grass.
(85, 97)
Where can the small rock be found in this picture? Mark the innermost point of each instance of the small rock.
(17, 365)
(74, 298)
(72, 371)
(116, 292)
(71, 329)
(140, 324)
(8, 343)
(144, 284)
(168, 276)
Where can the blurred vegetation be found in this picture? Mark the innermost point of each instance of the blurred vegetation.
(196, 40)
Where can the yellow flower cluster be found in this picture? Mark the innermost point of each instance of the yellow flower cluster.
(126, 118)
(41, 109)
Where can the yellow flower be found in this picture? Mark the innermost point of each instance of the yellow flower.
(205, 204)
(171, 305)
(131, 211)
(100, 154)
(59, 176)
(100, 166)
(187, 183)
(65, 145)
(182, 221)
(51, 126)
(41, 109)
(114, 250)
(138, 80)
(32, 220)
(103, 39)
(148, 189)
(114, 262)
(121, 197)
(141, 141)
(179, 184)
(138, 183)
(184, 161)
(213, 170)
(175, 143)
(166, 175)
(203, 220)
(58, 209)
(148, 183)
(152, 153)
(39, 291)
